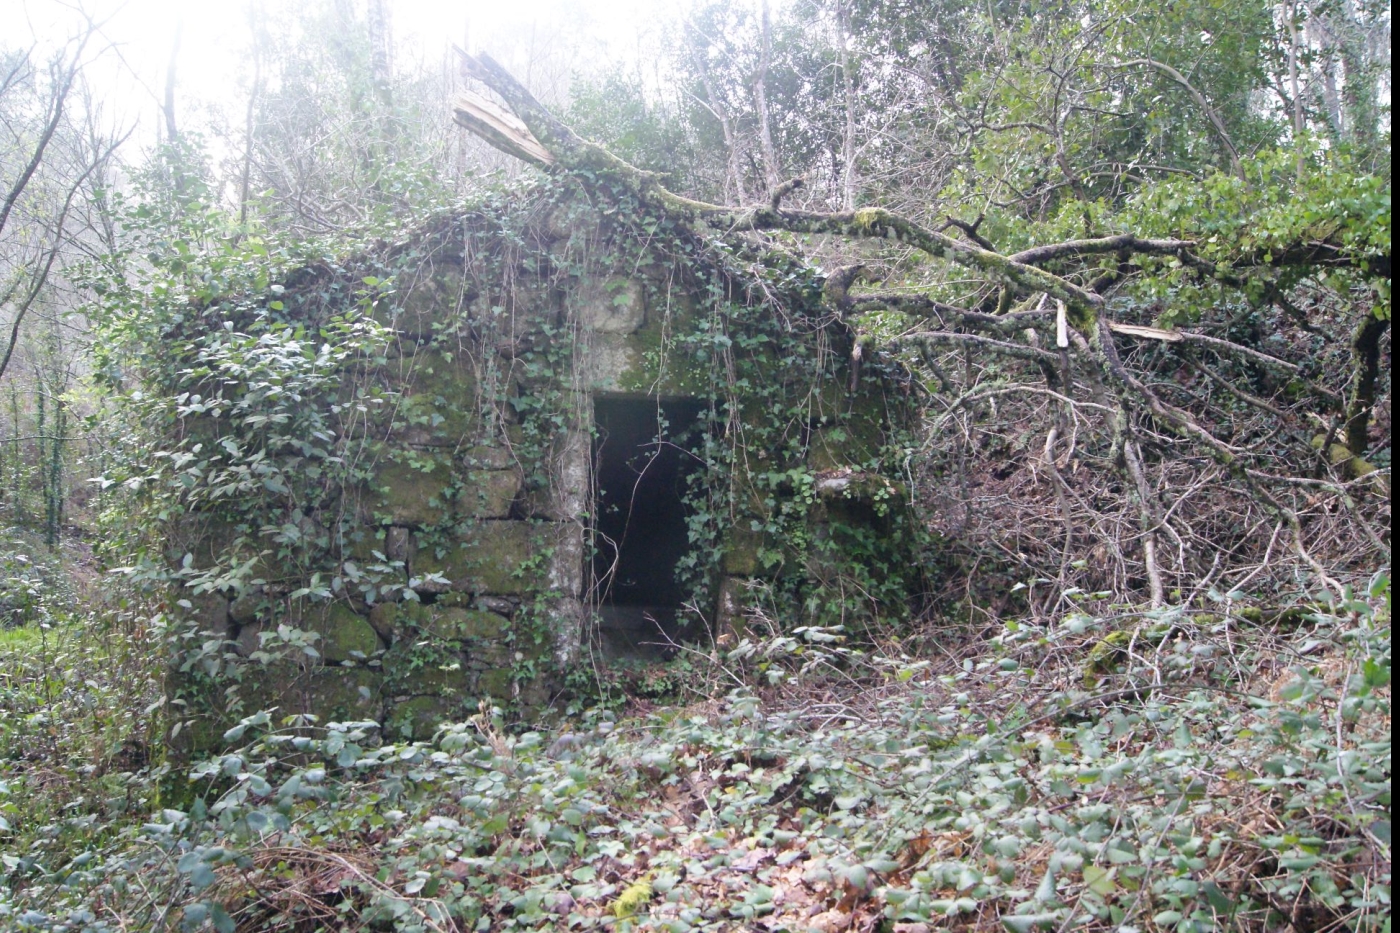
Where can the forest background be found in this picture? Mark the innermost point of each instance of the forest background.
(1190, 487)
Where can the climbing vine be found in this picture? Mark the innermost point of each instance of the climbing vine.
(345, 430)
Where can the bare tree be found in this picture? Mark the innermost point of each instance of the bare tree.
(49, 160)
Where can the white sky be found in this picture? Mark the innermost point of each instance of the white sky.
(213, 63)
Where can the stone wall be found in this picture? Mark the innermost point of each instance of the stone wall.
(451, 563)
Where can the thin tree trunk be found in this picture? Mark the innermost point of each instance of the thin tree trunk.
(40, 423)
(735, 172)
(1294, 88)
(1365, 348)
(772, 172)
(380, 59)
(16, 461)
(53, 506)
(168, 110)
(848, 139)
(1358, 88)
(254, 16)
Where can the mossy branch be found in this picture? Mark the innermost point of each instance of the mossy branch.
(567, 151)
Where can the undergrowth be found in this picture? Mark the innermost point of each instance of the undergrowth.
(1155, 771)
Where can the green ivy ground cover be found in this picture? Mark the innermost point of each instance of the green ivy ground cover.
(1198, 772)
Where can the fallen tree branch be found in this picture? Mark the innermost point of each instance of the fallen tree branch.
(569, 151)
(500, 128)
(1017, 350)
(1011, 323)
(1265, 360)
(1109, 244)
(1010, 278)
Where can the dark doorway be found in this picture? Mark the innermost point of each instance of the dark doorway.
(640, 465)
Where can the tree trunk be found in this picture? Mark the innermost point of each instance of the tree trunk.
(380, 46)
(773, 175)
(848, 138)
(255, 20)
(1365, 349)
(168, 110)
(734, 181)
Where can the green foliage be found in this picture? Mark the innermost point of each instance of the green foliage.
(244, 366)
(1331, 205)
(615, 110)
(1188, 795)
(35, 589)
(75, 740)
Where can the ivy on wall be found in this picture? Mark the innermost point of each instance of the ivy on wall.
(338, 431)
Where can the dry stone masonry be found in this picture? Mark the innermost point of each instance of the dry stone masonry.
(569, 444)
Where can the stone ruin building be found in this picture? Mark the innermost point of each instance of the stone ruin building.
(573, 437)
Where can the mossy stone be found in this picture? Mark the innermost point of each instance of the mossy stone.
(210, 611)
(339, 694)
(507, 558)
(433, 401)
(417, 718)
(496, 682)
(213, 541)
(612, 305)
(853, 434)
(488, 493)
(430, 302)
(575, 222)
(488, 457)
(374, 545)
(650, 362)
(733, 603)
(448, 678)
(512, 321)
(742, 549)
(384, 618)
(453, 623)
(412, 493)
(247, 607)
(280, 684)
(534, 696)
(491, 557)
(345, 634)
(483, 625)
(248, 639)
(567, 494)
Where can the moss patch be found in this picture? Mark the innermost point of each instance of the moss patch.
(488, 493)
(345, 635)
(505, 558)
(412, 491)
(418, 718)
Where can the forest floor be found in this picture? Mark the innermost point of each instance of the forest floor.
(1165, 770)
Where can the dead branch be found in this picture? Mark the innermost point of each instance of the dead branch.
(1109, 244)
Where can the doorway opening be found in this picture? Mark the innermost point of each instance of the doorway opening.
(640, 468)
